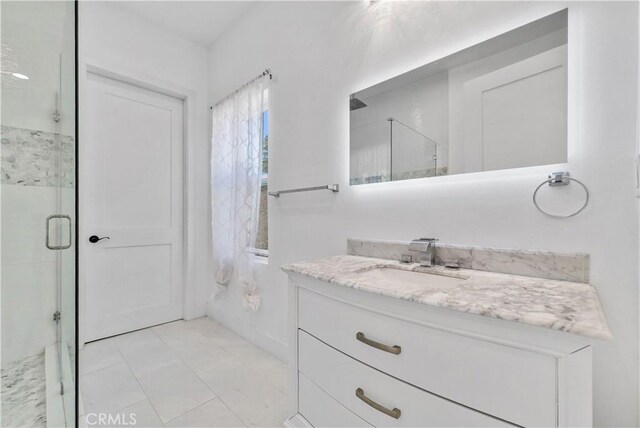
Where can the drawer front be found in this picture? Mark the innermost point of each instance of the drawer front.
(513, 384)
(378, 398)
(322, 410)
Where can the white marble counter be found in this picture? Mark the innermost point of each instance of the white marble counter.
(560, 305)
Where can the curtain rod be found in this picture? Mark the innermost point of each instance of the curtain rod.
(265, 72)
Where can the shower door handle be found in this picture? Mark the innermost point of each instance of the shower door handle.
(48, 242)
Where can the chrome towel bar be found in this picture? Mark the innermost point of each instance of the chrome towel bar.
(333, 187)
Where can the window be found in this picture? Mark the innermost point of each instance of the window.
(262, 235)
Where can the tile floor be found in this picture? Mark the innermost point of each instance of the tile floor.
(183, 374)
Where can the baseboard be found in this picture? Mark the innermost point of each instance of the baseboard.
(198, 311)
(259, 338)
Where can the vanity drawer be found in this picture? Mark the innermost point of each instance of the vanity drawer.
(361, 389)
(323, 410)
(513, 384)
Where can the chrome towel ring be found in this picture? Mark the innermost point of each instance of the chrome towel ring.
(560, 179)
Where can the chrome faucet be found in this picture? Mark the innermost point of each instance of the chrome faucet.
(427, 249)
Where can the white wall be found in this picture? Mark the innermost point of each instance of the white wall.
(117, 40)
(320, 52)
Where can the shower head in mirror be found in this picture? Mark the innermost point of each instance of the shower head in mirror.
(355, 103)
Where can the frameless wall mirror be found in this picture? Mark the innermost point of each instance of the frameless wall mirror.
(499, 104)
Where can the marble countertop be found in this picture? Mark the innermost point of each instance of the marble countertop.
(560, 305)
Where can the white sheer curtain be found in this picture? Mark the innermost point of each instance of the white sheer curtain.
(236, 148)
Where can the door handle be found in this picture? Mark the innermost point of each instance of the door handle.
(48, 242)
(94, 238)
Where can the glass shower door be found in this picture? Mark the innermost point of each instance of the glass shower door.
(37, 295)
(413, 155)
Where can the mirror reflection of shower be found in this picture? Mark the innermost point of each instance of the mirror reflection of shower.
(399, 136)
(355, 103)
(390, 149)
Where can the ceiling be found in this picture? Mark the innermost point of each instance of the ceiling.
(202, 22)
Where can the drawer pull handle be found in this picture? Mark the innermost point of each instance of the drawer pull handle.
(395, 349)
(395, 413)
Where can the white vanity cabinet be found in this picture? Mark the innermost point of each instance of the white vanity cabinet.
(362, 359)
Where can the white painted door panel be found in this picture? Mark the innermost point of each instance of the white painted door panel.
(516, 116)
(133, 178)
(340, 376)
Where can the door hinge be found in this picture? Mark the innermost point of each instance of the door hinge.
(56, 316)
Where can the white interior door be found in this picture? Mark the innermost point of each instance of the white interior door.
(133, 176)
(517, 116)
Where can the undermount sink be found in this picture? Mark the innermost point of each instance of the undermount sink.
(405, 278)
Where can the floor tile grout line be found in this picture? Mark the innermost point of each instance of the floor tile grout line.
(186, 365)
(209, 401)
(213, 340)
(246, 423)
(135, 376)
(262, 375)
(236, 357)
(205, 383)
(144, 391)
(101, 368)
(195, 408)
(115, 345)
(215, 396)
(146, 397)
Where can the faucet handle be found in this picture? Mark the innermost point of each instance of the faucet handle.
(429, 239)
(406, 258)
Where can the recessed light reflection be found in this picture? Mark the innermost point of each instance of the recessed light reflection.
(20, 76)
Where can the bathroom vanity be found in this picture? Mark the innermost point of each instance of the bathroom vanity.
(467, 337)
(377, 342)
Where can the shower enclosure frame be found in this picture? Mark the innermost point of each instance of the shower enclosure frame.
(76, 367)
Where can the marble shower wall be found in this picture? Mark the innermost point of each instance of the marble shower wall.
(539, 264)
(24, 393)
(30, 158)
